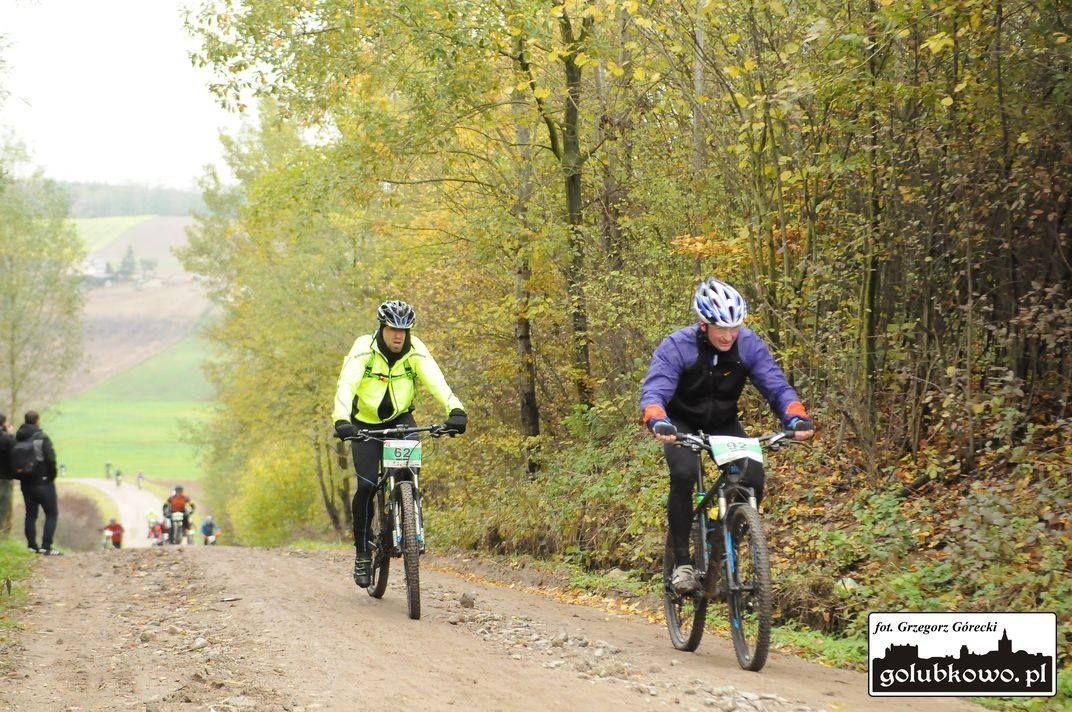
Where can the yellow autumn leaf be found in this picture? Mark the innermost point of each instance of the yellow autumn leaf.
(541, 92)
(947, 101)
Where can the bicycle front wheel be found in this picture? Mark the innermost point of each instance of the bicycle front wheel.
(381, 556)
(685, 614)
(750, 588)
(411, 548)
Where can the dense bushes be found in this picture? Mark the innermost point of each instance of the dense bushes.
(889, 183)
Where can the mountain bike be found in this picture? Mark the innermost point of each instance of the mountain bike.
(729, 551)
(397, 521)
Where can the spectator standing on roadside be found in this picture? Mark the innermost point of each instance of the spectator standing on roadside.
(34, 460)
(7, 441)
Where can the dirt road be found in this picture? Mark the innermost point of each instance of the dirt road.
(201, 628)
(133, 504)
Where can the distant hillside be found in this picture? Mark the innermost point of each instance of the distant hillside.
(91, 200)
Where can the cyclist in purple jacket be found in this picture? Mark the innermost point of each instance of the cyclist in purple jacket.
(694, 381)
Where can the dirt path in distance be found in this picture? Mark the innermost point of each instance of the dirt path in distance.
(133, 504)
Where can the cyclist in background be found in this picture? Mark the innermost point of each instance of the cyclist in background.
(208, 530)
(694, 381)
(179, 502)
(115, 532)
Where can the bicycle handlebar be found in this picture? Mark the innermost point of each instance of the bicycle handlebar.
(435, 431)
(771, 441)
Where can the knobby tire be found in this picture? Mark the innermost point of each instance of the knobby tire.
(685, 615)
(750, 611)
(411, 551)
(381, 557)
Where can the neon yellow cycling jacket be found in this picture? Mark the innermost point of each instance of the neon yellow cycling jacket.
(366, 377)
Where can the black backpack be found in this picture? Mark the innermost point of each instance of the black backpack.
(25, 455)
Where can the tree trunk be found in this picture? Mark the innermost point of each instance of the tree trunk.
(526, 378)
(610, 195)
(572, 163)
(870, 290)
(329, 503)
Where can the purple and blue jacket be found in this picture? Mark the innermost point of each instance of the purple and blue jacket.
(692, 383)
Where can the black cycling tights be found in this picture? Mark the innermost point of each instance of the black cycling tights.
(367, 456)
(683, 463)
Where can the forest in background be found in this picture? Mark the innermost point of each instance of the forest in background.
(94, 200)
(887, 181)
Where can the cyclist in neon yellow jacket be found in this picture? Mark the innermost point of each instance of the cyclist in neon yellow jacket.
(376, 391)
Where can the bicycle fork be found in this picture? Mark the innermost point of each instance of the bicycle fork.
(396, 513)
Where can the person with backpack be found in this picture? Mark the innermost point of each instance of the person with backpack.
(33, 461)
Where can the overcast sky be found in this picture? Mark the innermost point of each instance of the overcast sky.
(102, 90)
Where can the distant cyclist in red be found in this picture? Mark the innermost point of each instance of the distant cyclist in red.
(115, 529)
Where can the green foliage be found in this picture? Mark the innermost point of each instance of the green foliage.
(546, 181)
(40, 299)
(15, 566)
(275, 501)
(129, 265)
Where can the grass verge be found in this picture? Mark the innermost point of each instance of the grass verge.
(15, 565)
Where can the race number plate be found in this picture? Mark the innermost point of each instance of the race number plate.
(402, 453)
(727, 449)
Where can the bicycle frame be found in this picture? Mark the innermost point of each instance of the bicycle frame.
(388, 478)
(385, 487)
(729, 492)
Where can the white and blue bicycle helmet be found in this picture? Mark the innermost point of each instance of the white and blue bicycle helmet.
(719, 304)
(397, 314)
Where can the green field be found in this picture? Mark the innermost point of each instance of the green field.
(135, 420)
(97, 233)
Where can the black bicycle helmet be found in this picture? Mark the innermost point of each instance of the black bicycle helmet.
(397, 314)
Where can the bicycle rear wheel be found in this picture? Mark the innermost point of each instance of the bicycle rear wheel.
(749, 596)
(381, 554)
(685, 614)
(411, 548)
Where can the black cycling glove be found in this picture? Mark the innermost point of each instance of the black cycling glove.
(344, 429)
(456, 421)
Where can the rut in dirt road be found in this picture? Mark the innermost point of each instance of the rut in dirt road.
(189, 628)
